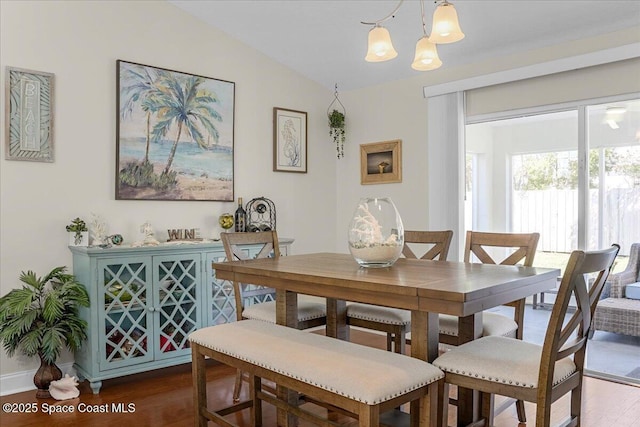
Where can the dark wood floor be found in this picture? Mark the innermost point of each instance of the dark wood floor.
(164, 398)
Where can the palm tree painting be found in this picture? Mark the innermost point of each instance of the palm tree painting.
(175, 135)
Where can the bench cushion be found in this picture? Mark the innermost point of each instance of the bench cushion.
(361, 373)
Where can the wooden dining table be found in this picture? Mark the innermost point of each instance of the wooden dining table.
(426, 288)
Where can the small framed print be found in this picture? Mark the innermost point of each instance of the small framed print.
(381, 162)
(29, 121)
(289, 140)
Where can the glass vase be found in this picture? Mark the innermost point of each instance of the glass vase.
(376, 233)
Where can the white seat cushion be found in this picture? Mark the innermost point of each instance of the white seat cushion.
(376, 313)
(365, 374)
(501, 360)
(493, 324)
(309, 308)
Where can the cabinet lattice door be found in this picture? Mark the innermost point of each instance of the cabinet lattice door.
(176, 302)
(126, 315)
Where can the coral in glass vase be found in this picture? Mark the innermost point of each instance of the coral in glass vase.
(376, 233)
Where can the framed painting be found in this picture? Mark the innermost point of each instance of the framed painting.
(174, 136)
(289, 140)
(381, 162)
(29, 115)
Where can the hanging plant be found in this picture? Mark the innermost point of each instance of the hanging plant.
(337, 132)
(336, 114)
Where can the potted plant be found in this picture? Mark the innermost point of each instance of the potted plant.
(79, 233)
(336, 130)
(41, 318)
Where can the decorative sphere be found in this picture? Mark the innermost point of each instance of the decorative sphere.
(226, 221)
(117, 239)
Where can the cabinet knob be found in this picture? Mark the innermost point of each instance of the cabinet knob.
(151, 309)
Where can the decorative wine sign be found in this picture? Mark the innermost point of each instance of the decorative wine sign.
(184, 234)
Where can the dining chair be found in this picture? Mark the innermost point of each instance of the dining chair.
(259, 302)
(530, 372)
(482, 245)
(396, 322)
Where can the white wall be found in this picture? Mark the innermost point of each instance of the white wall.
(80, 42)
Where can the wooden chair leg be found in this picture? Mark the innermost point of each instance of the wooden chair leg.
(576, 404)
(368, 416)
(486, 408)
(255, 386)
(441, 412)
(237, 388)
(390, 339)
(199, 376)
(522, 416)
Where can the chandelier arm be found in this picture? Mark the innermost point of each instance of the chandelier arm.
(424, 25)
(389, 16)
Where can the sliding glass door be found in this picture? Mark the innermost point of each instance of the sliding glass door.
(572, 174)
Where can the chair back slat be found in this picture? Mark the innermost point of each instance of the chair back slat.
(524, 245)
(236, 249)
(566, 338)
(441, 240)
(524, 248)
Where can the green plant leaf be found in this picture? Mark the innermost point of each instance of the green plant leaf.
(53, 340)
(53, 307)
(30, 279)
(18, 301)
(31, 342)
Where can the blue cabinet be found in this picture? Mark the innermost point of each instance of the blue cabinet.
(144, 304)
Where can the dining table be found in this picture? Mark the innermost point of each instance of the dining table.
(426, 288)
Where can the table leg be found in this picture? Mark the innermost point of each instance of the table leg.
(424, 345)
(469, 328)
(337, 319)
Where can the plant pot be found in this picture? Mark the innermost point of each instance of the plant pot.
(79, 239)
(46, 373)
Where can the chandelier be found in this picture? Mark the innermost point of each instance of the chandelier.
(445, 29)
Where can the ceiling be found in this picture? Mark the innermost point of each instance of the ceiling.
(325, 41)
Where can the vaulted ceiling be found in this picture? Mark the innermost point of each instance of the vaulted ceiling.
(325, 41)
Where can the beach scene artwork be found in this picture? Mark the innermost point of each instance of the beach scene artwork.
(174, 135)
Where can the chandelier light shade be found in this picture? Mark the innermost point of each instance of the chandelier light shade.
(426, 57)
(445, 28)
(380, 47)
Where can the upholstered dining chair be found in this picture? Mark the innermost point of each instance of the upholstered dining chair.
(396, 322)
(519, 247)
(529, 372)
(259, 302)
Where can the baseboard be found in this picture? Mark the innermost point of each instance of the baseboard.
(18, 382)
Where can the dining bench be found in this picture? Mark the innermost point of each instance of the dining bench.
(348, 378)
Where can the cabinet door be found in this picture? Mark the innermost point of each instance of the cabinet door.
(124, 315)
(221, 305)
(176, 301)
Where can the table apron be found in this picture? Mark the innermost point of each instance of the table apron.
(407, 302)
(470, 307)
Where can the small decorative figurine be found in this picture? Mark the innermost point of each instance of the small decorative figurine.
(149, 238)
(64, 388)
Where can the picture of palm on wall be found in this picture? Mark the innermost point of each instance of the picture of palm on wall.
(174, 135)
